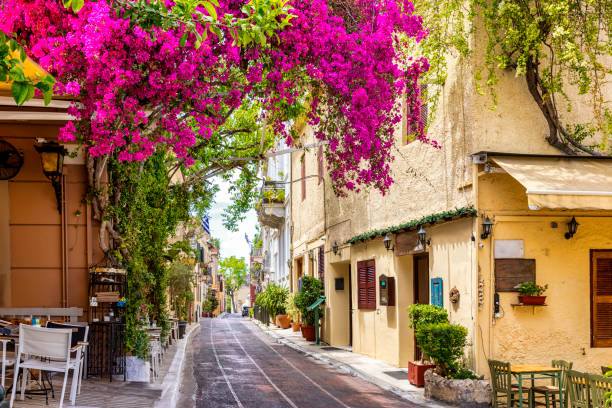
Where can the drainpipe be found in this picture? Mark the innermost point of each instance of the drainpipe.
(63, 217)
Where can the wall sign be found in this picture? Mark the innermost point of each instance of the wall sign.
(436, 292)
(510, 273)
(509, 248)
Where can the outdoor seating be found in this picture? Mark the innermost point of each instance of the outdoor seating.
(80, 334)
(46, 349)
(7, 359)
(551, 392)
(577, 384)
(599, 387)
(505, 394)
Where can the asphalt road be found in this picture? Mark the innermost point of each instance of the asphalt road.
(235, 365)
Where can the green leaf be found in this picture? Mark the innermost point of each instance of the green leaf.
(67, 3)
(183, 39)
(20, 92)
(77, 5)
(211, 10)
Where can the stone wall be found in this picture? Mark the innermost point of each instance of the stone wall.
(463, 393)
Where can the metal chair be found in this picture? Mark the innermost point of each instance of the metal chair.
(578, 387)
(7, 359)
(599, 387)
(505, 394)
(549, 392)
(45, 349)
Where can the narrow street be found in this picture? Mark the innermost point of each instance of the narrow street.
(235, 365)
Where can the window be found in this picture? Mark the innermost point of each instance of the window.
(436, 292)
(423, 116)
(303, 177)
(320, 162)
(322, 264)
(366, 281)
(601, 298)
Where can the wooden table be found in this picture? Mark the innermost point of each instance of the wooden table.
(536, 372)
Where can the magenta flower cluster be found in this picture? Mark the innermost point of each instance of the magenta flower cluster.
(138, 92)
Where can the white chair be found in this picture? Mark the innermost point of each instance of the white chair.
(46, 349)
(8, 360)
(80, 335)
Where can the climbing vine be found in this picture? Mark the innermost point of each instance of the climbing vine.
(561, 47)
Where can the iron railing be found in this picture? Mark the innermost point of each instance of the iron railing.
(261, 314)
(273, 192)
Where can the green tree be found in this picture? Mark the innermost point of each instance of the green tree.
(234, 271)
(180, 283)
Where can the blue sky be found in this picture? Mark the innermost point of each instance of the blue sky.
(232, 243)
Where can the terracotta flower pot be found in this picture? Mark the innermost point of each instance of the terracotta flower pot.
(416, 372)
(308, 331)
(532, 300)
(295, 326)
(283, 321)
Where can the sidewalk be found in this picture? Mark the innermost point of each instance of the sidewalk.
(100, 393)
(377, 372)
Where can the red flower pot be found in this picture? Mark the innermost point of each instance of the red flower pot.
(283, 321)
(532, 300)
(416, 372)
(295, 326)
(308, 332)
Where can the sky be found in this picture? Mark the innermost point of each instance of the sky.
(232, 243)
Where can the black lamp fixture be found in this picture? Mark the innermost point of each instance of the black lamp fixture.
(422, 237)
(52, 160)
(311, 254)
(387, 242)
(572, 227)
(335, 248)
(487, 225)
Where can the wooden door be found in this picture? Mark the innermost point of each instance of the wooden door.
(421, 288)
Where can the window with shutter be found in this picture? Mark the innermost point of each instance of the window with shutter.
(322, 265)
(601, 298)
(424, 112)
(303, 178)
(366, 284)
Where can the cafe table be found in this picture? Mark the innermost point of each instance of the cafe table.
(536, 372)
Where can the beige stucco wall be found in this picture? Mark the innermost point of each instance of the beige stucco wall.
(560, 330)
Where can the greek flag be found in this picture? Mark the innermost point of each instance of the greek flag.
(206, 224)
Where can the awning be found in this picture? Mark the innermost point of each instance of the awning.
(560, 183)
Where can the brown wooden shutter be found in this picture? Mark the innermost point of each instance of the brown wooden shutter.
(366, 282)
(424, 107)
(303, 178)
(322, 265)
(601, 298)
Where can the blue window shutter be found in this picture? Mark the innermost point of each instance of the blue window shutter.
(436, 292)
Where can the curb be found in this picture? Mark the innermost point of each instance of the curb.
(173, 377)
(406, 395)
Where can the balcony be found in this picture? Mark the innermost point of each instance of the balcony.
(273, 192)
(271, 211)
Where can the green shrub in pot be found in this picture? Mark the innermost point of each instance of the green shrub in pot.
(311, 291)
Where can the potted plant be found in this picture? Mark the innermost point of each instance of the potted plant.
(276, 303)
(420, 316)
(293, 312)
(531, 293)
(311, 291)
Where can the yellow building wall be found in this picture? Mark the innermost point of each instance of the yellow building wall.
(560, 330)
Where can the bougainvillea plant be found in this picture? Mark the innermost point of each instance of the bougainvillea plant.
(139, 89)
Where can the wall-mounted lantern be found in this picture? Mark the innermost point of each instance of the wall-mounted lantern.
(572, 227)
(52, 160)
(311, 255)
(335, 248)
(387, 242)
(487, 225)
(422, 237)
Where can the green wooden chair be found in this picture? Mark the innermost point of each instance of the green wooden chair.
(547, 395)
(599, 386)
(505, 394)
(578, 388)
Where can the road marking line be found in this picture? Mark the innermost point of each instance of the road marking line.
(221, 367)
(260, 369)
(304, 374)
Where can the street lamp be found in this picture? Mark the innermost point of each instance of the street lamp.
(335, 248)
(422, 237)
(572, 227)
(387, 242)
(52, 160)
(487, 225)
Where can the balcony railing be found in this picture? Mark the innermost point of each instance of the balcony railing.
(273, 192)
